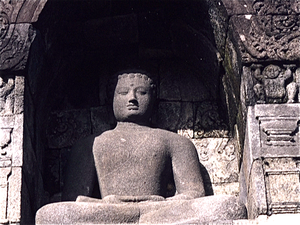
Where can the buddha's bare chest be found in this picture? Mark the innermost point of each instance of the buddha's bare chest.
(133, 160)
(132, 150)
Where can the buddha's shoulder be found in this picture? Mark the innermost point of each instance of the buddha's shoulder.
(105, 136)
(169, 135)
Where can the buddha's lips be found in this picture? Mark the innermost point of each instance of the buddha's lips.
(132, 107)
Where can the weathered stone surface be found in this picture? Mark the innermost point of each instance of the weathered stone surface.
(102, 119)
(283, 186)
(272, 83)
(197, 211)
(265, 7)
(66, 127)
(208, 122)
(19, 95)
(185, 123)
(4, 171)
(17, 141)
(21, 11)
(219, 157)
(238, 7)
(279, 135)
(256, 191)
(265, 38)
(270, 162)
(7, 87)
(219, 22)
(226, 189)
(14, 195)
(11, 147)
(168, 115)
(14, 46)
(181, 82)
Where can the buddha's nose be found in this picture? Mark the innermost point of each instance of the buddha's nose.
(132, 96)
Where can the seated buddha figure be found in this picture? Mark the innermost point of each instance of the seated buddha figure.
(134, 164)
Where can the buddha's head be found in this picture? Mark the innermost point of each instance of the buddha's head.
(134, 97)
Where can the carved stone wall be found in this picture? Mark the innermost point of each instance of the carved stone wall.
(262, 76)
(16, 32)
(271, 160)
(11, 157)
(16, 36)
(263, 38)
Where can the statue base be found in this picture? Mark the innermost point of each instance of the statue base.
(200, 210)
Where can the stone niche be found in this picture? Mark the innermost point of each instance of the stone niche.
(81, 44)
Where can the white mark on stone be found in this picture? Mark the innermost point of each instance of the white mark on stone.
(123, 140)
(248, 17)
(243, 38)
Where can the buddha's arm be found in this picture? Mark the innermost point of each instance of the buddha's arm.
(186, 169)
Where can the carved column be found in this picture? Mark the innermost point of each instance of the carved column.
(265, 38)
(16, 36)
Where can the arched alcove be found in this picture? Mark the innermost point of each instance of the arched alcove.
(80, 44)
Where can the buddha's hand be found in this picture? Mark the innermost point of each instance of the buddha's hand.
(115, 199)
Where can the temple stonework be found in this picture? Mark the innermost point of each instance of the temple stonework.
(228, 79)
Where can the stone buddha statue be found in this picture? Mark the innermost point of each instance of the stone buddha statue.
(134, 164)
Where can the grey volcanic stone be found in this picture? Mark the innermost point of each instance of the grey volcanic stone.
(87, 213)
(196, 211)
(135, 166)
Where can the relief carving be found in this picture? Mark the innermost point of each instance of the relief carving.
(16, 32)
(221, 148)
(293, 88)
(6, 96)
(5, 170)
(282, 184)
(208, 122)
(202, 148)
(5, 10)
(5, 139)
(15, 46)
(272, 34)
(278, 131)
(275, 84)
(267, 7)
(66, 127)
(219, 156)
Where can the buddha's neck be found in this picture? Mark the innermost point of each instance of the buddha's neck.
(130, 126)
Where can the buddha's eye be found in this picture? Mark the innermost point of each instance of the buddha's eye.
(122, 91)
(142, 91)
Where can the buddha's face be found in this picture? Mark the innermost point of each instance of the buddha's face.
(133, 98)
